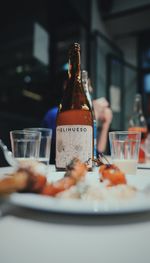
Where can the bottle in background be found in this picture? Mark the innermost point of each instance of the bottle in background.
(137, 122)
(85, 81)
(74, 124)
(147, 147)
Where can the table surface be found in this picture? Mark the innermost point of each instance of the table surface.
(28, 236)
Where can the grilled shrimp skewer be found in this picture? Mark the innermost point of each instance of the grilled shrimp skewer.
(109, 171)
(26, 179)
(76, 170)
(23, 180)
(113, 174)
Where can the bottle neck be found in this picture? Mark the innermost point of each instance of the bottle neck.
(74, 66)
(138, 107)
(138, 119)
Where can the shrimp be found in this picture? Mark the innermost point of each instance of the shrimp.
(23, 180)
(76, 170)
(113, 174)
(14, 183)
(26, 179)
(109, 171)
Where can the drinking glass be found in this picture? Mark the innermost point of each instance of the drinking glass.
(124, 147)
(45, 145)
(25, 145)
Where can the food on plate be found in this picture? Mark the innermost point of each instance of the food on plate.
(75, 184)
(14, 183)
(35, 181)
(76, 170)
(109, 171)
(98, 191)
(113, 174)
(120, 192)
(28, 179)
(25, 179)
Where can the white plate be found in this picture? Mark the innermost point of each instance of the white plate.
(144, 166)
(139, 203)
(49, 204)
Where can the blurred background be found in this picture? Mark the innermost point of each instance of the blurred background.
(35, 37)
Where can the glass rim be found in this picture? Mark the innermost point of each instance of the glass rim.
(40, 129)
(44, 131)
(25, 132)
(125, 132)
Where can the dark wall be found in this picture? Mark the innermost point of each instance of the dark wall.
(29, 86)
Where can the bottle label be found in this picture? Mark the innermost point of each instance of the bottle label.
(73, 141)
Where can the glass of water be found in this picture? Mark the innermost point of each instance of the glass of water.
(124, 147)
(25, 144)
(45, 145)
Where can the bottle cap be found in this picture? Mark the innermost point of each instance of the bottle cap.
(138, 96)
(73, 48)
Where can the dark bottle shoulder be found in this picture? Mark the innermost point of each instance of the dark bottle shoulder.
(74, 96)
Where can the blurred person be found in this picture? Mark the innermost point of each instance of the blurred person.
(103, 115)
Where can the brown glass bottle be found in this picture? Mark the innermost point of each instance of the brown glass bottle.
(74, 124)
(138, 123)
